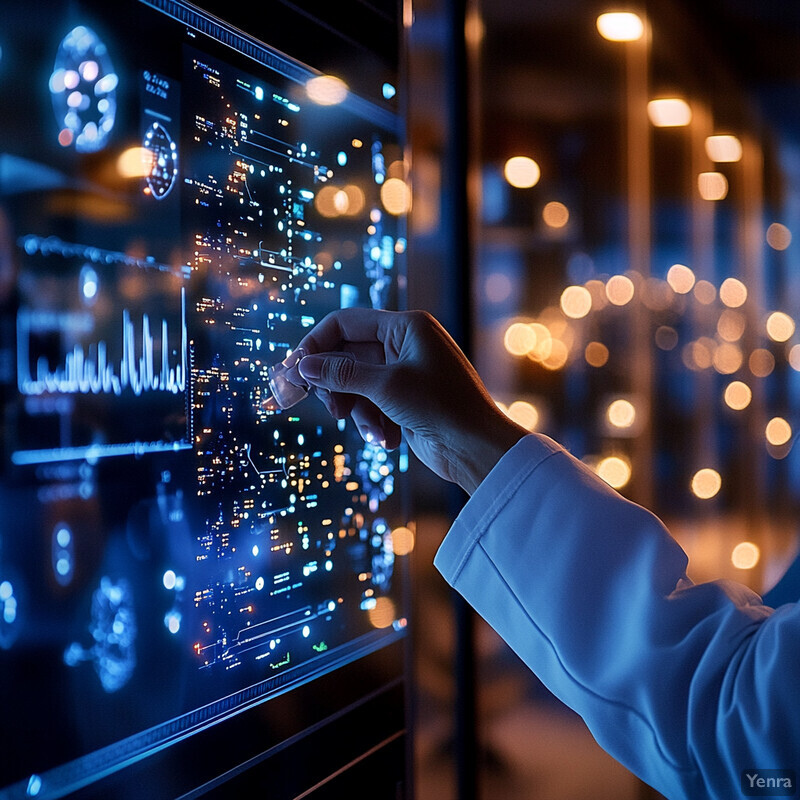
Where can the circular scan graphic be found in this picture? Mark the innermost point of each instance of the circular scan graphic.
(162, 161)
(83, 88)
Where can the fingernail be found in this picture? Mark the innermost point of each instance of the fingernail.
(310, 367)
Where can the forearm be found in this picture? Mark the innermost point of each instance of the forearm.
(590, 590)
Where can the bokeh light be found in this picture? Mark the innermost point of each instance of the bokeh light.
(576, 301)
(745, 555)
(706, 483)
(615, 471)
(778, 431)
(738, 395)
(619, 290)
(522, 172)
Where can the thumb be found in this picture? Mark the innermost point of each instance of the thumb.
(340, 372)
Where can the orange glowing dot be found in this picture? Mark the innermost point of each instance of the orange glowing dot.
(524, 414)
(733, 292)
(555, 214)
(596, 354)
(620, 26)
(738, 395)
(780, 326)
(519, 339)
(761, 362)
(619, 290)
(382, 614)
(706, 483)
(705, 292)
(402, 541)
(712, 185)
(731, 325)
(576, 302)
(745, 555)
(669, 112)
(723, 148)
(615, 471)
(778, 431)
(621, 413)
(680, 278)
(522, 172)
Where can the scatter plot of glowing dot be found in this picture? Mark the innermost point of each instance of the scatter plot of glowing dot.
(745, 555)
(738, 395)
(778, 431)
(706, 483)
(619, 290)
(680, 278)
(169, 579)
(576, 302)
(615, 471)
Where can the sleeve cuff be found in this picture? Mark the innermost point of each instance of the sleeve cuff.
(489, 499)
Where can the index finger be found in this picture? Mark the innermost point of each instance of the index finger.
(351, 326)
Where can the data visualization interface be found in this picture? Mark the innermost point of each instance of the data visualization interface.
(179, 206)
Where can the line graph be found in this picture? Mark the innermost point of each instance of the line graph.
(90, 370)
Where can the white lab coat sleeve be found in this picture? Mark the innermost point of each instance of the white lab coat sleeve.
(688, 685)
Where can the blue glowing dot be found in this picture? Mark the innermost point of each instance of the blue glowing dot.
(255, 550)
(172, 620)
(34, 785)
(170, 579)
(331, 606)
(63, 537)
(389, 91)
(259, 93)
(341, 158)
(306, 631)
(259, 583)
(63, 566)
(6, 590)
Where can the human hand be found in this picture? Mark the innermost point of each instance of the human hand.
(401, 373)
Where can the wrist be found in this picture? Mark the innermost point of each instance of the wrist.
(485, 447)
